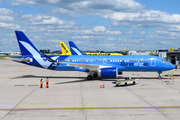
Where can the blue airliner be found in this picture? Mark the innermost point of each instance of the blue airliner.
(108, 66)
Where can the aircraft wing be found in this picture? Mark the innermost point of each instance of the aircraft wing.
(92, 67)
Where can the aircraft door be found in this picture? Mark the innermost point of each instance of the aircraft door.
(104, 61)
(153, 62)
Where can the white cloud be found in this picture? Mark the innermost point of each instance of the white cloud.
(113, 32)
(161, 32)
(117, 5)
(99, 29)
(6, 18)
(145, 15)
(9, 26)
(122, 13)
(119, 39)
(80, 37)
(4, 11)
(129, 32)
(96, 37)
(6, 15)
(117, 11)
(143, 32)
(53, 41)
(47, 23)
(111, 39)
(29, 16)
(51, 20)
(87, 32)
(23, 2)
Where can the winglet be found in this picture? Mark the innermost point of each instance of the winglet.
(65, 50)
(74, 49)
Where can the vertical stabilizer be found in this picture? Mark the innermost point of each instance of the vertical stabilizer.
(25, 45)
(74, 49)
(65, 50)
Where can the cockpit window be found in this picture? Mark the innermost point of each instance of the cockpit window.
(163, 60)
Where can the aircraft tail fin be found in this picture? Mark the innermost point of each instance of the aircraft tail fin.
(65, 50)
(25, 45)
(74, 49)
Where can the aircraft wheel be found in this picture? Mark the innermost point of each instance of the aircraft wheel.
(125, 84)
(134, 83)
(95, 75)
(159, 77)
(89, 77)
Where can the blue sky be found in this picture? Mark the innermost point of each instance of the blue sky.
(111, 25)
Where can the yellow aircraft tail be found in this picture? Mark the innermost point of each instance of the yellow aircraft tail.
(65, 50)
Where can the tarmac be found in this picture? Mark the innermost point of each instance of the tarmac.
(71, 97)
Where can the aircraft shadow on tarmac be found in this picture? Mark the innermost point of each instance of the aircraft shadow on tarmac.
(80, 79)
(34, 76)
(84, 80)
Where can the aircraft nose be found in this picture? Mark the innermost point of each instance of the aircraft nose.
(171, 66)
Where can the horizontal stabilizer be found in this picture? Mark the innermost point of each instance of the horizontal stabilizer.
(19, 59)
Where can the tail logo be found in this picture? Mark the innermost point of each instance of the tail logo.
(64, 47)
(36, 55)
(77, 51)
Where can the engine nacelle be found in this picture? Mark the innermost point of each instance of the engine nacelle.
(108, 72)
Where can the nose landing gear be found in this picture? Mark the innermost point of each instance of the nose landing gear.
(159, 72)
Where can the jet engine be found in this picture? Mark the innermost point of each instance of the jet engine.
(108, 72)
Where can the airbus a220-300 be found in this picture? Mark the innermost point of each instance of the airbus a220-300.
(106, 66)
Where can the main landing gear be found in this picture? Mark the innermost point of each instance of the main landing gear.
(91, 76)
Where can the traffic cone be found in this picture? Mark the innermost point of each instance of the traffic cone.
(103, 85)
(137, 74)
(100, 85)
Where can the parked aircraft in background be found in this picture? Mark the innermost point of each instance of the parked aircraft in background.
(65, 51)
(103, 66)
(88, 53)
